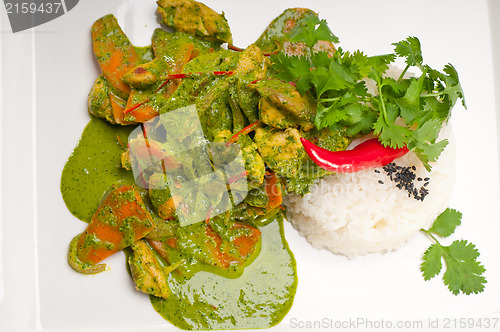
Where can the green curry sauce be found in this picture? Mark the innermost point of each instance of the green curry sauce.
(259, 298)
(94, 167)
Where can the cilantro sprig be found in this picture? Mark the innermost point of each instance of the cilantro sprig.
(464, 273)
(403, 111)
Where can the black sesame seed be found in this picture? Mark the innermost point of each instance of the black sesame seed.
(377, 171)
(404, 178)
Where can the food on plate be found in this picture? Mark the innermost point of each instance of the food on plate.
(364, 212)
(195, 18)
(195, 151)
(120, 220)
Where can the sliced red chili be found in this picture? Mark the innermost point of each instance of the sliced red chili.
(243, 131)
(370, 153)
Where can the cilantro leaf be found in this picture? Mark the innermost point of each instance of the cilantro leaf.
(453, 88)
(310, 30)
(410, 103)
(464, 273)
(410, 49)
(432, 108)
(423, 142)
(385, 127)
(431, 264)
(361, 119)
(397, 87)
(463, 250)
(428, 152)
(329, 115)
(380, 63)
(390, 134)
(293, 69)
(334, 78)
(446, 223)
(402, 112)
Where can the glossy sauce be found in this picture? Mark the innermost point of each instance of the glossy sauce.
(94, 167)
(259, 298)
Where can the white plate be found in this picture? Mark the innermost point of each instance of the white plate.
(46, 75)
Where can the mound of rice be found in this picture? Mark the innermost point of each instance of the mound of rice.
(353, 214)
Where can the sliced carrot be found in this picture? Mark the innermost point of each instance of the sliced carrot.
(143, 113)
(246, 244)
(172, 242)
(114, 53)
(121, 220)
(117, 107)
(159, 246)
(185, 54)
(273, 191)
(222, 259)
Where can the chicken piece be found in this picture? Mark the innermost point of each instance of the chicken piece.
(98, 101)
(145, 75)
(146, 271)
(272, 116)
(280, 149)
(252, 65)
(196, 19)
(114, 53)
(121, 220)
(288, 101)
(254, 164)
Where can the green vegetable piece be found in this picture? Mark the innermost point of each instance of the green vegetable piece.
(145, 75)
(410, 49)
(431, 265)
(257, 197)
(423, 103)
(464, 273)
(446, 223)
(316, 30)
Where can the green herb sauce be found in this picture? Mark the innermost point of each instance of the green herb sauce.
(260, 298)
(94, 167)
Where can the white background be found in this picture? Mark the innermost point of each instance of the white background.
(46, 74)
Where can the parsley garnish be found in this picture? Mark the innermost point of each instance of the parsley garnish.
(403, 111)
(464, 273)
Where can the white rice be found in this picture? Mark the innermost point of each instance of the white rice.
(353, 214)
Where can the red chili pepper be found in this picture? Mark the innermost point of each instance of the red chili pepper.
(368, 154)
(243, 131)
(237, 177)
(235, 48)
